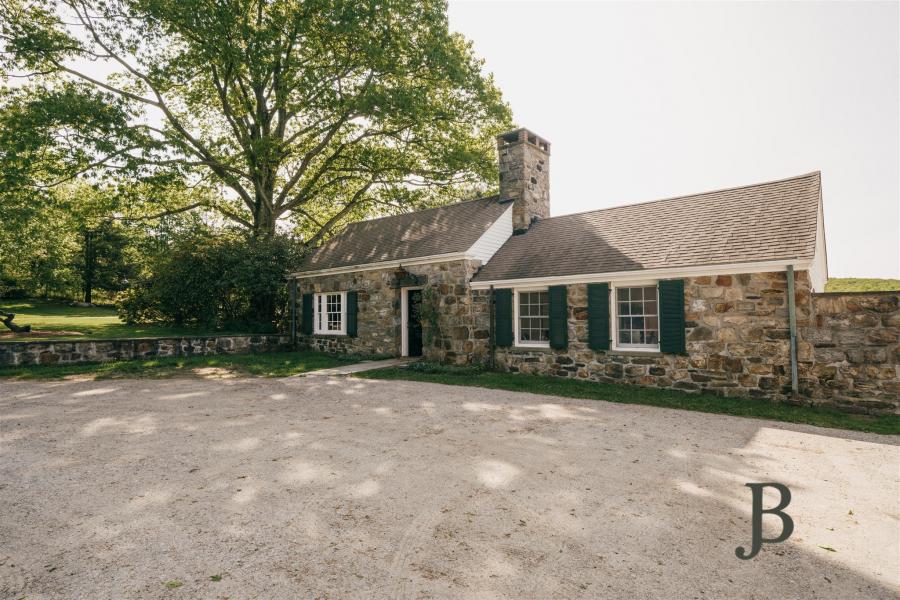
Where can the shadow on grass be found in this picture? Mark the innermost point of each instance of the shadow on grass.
(626, 394)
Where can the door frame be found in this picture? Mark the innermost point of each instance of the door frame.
(404, 324)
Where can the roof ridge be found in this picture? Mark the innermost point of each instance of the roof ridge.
(716, 191)
(422, 210)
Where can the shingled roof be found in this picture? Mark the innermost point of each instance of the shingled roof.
(442, 230)
(767, 221)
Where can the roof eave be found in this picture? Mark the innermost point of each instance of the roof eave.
(389, 264)
(646, 274)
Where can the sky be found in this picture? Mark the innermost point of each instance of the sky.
(645, 100)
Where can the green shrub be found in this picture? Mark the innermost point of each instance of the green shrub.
(138, 305)
(227, 281)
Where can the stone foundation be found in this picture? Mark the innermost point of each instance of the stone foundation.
(71, 352)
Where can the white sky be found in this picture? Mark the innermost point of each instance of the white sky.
(651, 100)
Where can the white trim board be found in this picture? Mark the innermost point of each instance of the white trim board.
(517, 326)
(320, 297)
(496, 235)
(614, 317)
(664, 273)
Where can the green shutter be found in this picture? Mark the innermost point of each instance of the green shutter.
(306, 322)
(503, 324)
(671, 316)
(598, 316)
(559, 317)
(351, 313)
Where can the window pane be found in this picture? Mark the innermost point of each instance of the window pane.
(533, 311)
(638, 321)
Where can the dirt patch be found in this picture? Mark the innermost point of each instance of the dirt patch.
(334, 487)
(6, 334)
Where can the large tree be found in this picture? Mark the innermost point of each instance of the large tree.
(308, 111)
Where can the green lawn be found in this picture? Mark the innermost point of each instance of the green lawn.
(853, 284)
(276, 364)
(628, 394)
(58, 321)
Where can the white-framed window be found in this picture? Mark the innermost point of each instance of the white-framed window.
(636, 316)
(532, 317)
(330, 313)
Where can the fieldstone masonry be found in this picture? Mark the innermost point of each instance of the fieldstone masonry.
(738, 345)
(379, 319)
(738, 337)
(737, 341)
(855, 359)
(49, 352)
(524, 161)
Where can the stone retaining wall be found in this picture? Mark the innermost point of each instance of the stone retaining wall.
(855, 340)
(70, 352)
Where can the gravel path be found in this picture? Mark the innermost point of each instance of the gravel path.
(333, 487)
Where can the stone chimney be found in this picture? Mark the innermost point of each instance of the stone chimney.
(524, 176)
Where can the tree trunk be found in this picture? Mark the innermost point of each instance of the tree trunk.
(262, 306)
(90, 259)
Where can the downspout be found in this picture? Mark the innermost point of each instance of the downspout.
(491, 332)
(792, 318)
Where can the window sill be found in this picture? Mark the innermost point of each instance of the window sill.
(634, 352)
(520, 348)
(329, 334)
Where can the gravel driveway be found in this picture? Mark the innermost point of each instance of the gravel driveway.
(349, 488)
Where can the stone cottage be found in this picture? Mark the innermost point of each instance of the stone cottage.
(713, 291)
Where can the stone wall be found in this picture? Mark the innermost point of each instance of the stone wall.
(49, 352)
(738, 345)
(737, 341)
(379, 318)
(738, 337)
(855, 351)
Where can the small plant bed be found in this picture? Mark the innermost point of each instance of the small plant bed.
(56, 320)
(627, 394)
(275, 364)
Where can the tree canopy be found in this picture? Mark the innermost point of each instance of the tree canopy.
(304, 112)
